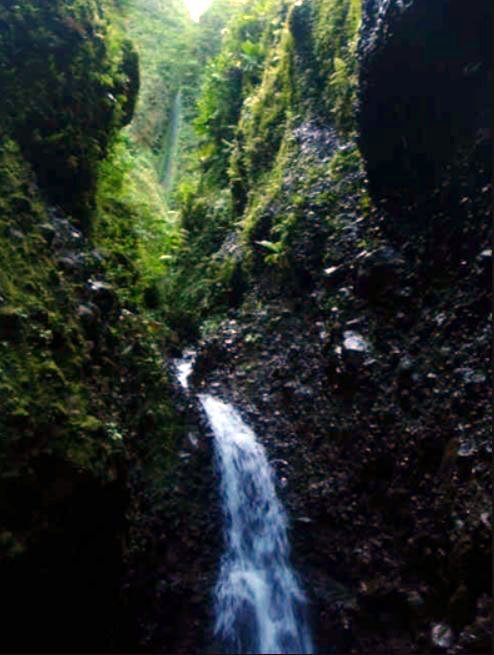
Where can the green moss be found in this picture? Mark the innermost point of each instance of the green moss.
(64, 72)
(336, 29)
(34, 379)
(163, 33)
(301, 72)
(202, 279)
(84, 391)
(230, 79)
(265, 114)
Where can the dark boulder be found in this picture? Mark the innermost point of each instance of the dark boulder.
(11, 323)
(484, 263)
(61, 578)
(47, 232)
(90, 317)
(130, 87)
(334, 275)
(103, 295)
(378, 274)
(72, 264)
(424, 104)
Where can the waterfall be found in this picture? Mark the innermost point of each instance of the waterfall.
(259, 604)
(170, 147)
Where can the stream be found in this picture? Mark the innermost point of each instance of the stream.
(260, 606)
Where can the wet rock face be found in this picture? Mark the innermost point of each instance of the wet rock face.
(370, 394)
(64, 588)
(424, 100)
(390, 519)
(174, 547)
(378, 274)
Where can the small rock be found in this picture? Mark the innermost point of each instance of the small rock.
(16, 234)
(282, 462)
(470, 376)
(86, 313)
(405, 293)
(405, 365)
(440, 318)
(355, 348)
(467, 448)
(485, 518)
(378, 273)
(47, 232)
(355, 321)
(344, 292)
(485, 265)
(442, 636)
(103, 295)
(71, 263)
(334, 275)
(98, 285)
(355, 342)
(303, 392)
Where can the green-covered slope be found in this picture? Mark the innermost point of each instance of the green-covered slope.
(81, 375)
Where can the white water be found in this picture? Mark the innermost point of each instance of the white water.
(260, 607)
(184, 368)
(259, 604)
(170, 149)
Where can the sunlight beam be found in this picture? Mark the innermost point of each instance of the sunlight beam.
(197, 8)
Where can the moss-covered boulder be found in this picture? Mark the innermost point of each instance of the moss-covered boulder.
(68, 80)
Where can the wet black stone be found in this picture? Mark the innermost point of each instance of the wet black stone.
(103, 295)
(378, 274)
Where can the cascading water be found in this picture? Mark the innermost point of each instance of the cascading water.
(260, 606)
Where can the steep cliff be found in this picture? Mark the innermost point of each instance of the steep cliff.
(81, 378)
(425, 105)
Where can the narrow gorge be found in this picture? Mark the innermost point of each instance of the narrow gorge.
(245, 326)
